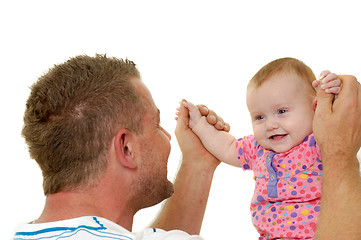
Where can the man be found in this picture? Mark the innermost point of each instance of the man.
(93, 128)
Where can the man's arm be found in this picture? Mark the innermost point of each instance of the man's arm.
(337, 128)
(185, 209)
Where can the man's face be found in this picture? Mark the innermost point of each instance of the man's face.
(153, 185)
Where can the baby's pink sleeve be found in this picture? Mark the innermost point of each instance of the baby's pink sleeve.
(245, 151)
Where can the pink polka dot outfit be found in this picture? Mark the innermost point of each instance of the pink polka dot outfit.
(286, 200)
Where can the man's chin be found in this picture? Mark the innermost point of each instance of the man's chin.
(166, 192)
(169, 190)
(162, 194)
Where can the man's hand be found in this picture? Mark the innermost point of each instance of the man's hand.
(185, 209)
(189, 143)
(337, 125)
(211, 116)
(213, 119)
(337, 129)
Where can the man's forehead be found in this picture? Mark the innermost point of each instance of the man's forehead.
(146, 97)
(142, 90)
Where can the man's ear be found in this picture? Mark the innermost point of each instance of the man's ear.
(123, 145)
(314, 104)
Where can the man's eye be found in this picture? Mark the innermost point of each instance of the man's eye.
(259, 117)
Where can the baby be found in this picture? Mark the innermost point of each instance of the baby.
(282, 152)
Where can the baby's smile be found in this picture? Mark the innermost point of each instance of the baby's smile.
(278, 137)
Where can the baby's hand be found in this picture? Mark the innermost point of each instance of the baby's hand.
(194, 114)
(330, 82)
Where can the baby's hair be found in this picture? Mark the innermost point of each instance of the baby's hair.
(281, 65)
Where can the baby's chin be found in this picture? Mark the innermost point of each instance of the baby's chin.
(279, 145)
(277, 149)
(282, 148)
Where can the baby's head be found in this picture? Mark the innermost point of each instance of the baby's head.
(281, 102)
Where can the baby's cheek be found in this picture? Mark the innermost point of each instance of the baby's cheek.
(260, 139)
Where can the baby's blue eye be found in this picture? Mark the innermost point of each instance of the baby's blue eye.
(281, 111)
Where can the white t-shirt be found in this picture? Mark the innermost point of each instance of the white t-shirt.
(93, 228)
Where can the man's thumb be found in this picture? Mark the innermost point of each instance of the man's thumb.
(324, 101)
(183, 116)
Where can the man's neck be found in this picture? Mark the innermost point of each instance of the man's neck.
(95, 202)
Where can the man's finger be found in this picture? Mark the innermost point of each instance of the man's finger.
(211, 117)
(220, 123)
(203, 109)
(227, 127)
(350, 92)
(324, 101)
(350, 84)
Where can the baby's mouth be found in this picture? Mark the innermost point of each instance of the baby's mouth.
(277, 136)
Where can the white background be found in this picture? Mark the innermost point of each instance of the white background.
(204, 51)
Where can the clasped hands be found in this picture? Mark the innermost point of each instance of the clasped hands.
(211, 116)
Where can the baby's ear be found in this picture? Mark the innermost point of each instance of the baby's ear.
(314, 104)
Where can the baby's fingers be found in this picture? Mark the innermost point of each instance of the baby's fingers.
(315, 83)
(177, 113)
(330, 81)
(193, 110)
(333, 90)
(323, 74)
(330, 77)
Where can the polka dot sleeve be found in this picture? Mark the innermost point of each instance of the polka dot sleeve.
(246, 148)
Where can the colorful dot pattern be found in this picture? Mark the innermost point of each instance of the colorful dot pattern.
(292, 212)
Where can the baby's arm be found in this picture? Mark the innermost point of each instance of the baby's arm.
(220, 143)
(329, 81)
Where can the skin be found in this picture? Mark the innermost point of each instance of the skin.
(136, 177)
(116, 195)
(340, 217)
(328, 81)
(211, 116)
(185, 209)
(281, 118)
(341, 194)
(337, 131)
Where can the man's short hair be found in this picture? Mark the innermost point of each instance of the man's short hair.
(72, 114)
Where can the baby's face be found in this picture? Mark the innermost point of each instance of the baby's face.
(281, 110)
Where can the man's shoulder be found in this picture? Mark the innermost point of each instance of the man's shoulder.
(77, 228)
(159, 234)
(90, 227)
